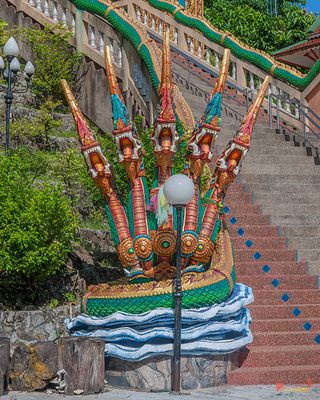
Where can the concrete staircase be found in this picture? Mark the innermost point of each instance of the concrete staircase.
(273, 214)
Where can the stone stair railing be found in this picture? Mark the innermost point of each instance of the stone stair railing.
(208, 55)
(90, 36)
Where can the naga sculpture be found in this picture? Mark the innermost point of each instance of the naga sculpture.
(135, 313)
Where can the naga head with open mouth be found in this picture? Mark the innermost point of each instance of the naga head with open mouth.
(98, 166)
(201, 144)
(229, 163)
(165, 136)
(129, 147)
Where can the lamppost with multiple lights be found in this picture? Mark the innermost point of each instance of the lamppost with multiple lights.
(179, 191)
(9, 71)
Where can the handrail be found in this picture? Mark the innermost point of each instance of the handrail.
(302, 110)
(204, 93)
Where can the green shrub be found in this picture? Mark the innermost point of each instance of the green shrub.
(38, 127)
(3, 33)
(36, 223)
(54, 59)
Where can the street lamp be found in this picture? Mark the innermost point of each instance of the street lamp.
(179, 191)
(9, 72)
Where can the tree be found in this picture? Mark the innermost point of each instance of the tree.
(249, 21)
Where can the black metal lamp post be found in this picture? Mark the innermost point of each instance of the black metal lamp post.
(9, 71)
(179, 191)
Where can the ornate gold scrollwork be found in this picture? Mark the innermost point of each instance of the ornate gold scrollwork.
(204, 250)
(164, 242)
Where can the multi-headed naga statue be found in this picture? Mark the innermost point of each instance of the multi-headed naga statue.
(134, 314)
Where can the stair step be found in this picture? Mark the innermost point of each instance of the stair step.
(255, 242)
(254, 231)
(293, 219)
(288, 375)
(297, 296)
(275, 186)
(297, 338)
(281, 178)
(289, 199)
(284, 325)
(276, 267)
(293, 231)
(305, 242)
(266, 255)
(288, 160)
(243, 208)
(285, 311)
(248, 219)
(284, 282)
(308, 254)
(275, 169)
(297, 209)
(266, 356)
(313, 268)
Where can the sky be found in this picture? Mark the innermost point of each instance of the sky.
(313, 5)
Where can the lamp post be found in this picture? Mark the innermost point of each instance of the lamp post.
(9, 71)
(179, 191)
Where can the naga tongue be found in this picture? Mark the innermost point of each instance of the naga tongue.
(166, 139)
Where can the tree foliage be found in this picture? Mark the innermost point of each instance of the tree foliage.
(36, 222)
(249, 21)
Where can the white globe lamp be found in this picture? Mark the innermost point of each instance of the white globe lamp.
(178, 190)
(11, 48)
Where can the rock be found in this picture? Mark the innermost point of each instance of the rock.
(4, 363)
(80, 257)
(33, 366)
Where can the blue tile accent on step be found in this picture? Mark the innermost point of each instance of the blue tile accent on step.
(317, 339)
(257, 255)
(266, 268)
(285, 297)
(296, 312)
(307, 326)
(240, 231)
(275, 283)
(226, 209)
(233, 220)
(249, 243)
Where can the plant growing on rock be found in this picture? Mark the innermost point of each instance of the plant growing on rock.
(38, 126)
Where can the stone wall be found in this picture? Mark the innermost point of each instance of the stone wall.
(46, 324)
(155, 374)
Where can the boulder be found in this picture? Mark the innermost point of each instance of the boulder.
(33, 366)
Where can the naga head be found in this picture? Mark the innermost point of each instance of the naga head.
(229, 163)
(165, 136)
(98, 166)
(128, 144)
(201, 144)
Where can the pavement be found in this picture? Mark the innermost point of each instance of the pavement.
(218, 393)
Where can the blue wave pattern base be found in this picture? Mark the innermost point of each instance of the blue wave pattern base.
(220, 329)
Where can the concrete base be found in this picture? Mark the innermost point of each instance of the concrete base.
(155, 374)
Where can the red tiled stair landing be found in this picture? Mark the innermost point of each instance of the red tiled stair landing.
(286, 310)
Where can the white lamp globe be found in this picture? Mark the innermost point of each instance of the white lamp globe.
(29, 69)
(15, 65)
(178, 190)
(1, 64)
(11, 48)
